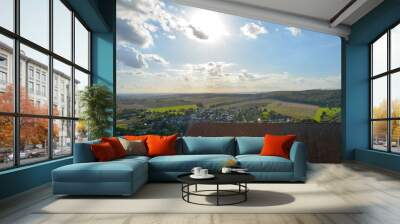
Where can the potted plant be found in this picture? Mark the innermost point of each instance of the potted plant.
(96, 102)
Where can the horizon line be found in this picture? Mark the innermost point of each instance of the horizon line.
(162, 93)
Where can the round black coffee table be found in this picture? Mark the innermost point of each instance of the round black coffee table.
(238, 179)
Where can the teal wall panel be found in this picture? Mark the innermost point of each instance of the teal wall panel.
(356, 91)
(24, 178)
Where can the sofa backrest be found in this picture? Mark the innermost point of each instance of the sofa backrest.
(249, 145)
(208, 145)
(83, 152)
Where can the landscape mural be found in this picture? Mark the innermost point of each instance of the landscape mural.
(178, 65)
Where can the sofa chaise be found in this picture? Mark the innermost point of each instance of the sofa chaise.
(125, 176)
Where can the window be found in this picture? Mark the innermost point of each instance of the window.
(43, 113)
(3, 61)
(30, 87)
(62, 137)
(31, 76)
(37, 89)
(81, 45)
(385, 94)
(3, 78)
(62, 74)
(62, 29)
(35, 21)
(6, 142)
(6, 72)
(7, 14)
(37, 75)
(43, 90)
(81, 82)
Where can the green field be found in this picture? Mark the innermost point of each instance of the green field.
(298, 111)
(178, 108)
(172, 113)
(326, 113)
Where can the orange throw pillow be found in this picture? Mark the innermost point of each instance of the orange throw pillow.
(161, 145)
(142, 138)
(103, 152)
(116, 145)
(277, 145)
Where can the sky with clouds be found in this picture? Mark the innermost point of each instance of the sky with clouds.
(163, 47)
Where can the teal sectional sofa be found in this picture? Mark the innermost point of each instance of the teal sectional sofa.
(125, 176)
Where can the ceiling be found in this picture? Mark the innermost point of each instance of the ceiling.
(327, 16)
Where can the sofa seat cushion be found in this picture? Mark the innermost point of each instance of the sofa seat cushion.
(257, 163)
(185, 163)
(113, 171)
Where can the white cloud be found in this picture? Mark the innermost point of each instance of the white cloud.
(133, 33)
(155, 58)
(172, 37)
(211, 69)
(131, 57)
(294, 31)
(252, 30)
(224, 77)
(138, 20)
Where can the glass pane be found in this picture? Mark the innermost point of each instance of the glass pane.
(81, 45)
(34, 97)
(62, 138)
(379, 97)
(6, 74)
(81, 131)
(62, 29)
(395, 136)
(395, 94)
(395, 47)
(81, 82)
(33, 139)
(379, 55)
(379, 135)
(6, 142)
(35, 21)
(7, 14)
(62, 89)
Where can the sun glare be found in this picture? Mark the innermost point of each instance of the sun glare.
(210, 23)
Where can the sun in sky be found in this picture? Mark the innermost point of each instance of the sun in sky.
(210, 23)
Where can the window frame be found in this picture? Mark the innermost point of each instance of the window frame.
(16, 114)
(388, 74)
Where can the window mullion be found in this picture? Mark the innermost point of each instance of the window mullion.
(389, 104)
(73, 81)
(16, 84)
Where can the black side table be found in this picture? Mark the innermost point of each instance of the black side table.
(238, 179)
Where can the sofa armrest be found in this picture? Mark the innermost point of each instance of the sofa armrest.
(83, 152)
(298, 155)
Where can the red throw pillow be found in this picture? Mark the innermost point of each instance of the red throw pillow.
(103, 152)
(116, 145)
(161, 145)
(277, 145)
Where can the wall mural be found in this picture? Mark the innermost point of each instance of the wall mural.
(180, 65)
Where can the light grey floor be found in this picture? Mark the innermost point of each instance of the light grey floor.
(379, 189)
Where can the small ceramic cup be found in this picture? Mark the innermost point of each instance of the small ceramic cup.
(203, 172)
(196, 171)
(226, 170)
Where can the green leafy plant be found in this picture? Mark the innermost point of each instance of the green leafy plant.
(96, 102)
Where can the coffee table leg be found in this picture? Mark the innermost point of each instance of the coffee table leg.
(245, 193)
(217, 194)
(195, 188)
